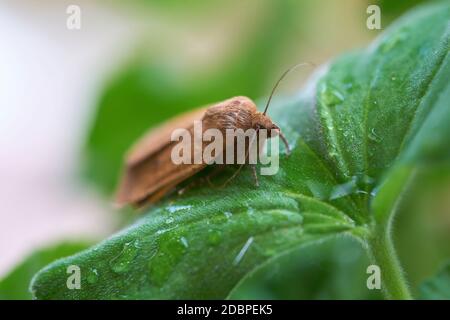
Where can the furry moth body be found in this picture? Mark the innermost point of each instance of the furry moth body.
(149, 171)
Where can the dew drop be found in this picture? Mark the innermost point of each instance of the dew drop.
(333, 154)
(242, 252)
(393, 41)
(162, 231)
(228, 214)
(373, 136)
(164, 259)
(367, 180)
(173, 209)
(122, 262)
(269, 252)
(184, 242)
(344, 189)
(374, 191)
(331, 97)
(92, 276)
(152, 253)
(169, 220)
(319, 190)
(214, 237)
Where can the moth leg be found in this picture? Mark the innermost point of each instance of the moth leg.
(216, 171)
(237, 171)
(191, 185)
(232, 177)
(154, 197)
(242, 165)
(202, 180)
(255, 175)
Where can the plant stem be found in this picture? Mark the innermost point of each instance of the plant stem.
(380, 244)
(384, 256)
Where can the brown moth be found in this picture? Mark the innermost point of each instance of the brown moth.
(149, 171)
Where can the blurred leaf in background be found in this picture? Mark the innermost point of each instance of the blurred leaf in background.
(422, 230)
(437, 287)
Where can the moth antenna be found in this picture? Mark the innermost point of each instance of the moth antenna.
(282, 77)
(242, 165)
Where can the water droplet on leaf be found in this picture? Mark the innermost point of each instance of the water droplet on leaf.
(92, 276)
(184, 242)
(344, 189)
(330, 97)
(367, 180)
(228, 214)
(214, 236)
(333, 154)
(392, 41)
(319, 190)
(373, 136)
(169, 220)
(162, 262)
(122, 262)
(174, 208)
(243, 251)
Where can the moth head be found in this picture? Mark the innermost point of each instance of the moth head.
(261, 121)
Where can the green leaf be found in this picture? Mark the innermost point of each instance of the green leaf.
(15, 285)
(327, 270)
(357, 133)
(437, 287)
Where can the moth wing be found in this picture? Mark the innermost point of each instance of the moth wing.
(149, 167)
(156, 138)
(158, 194)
